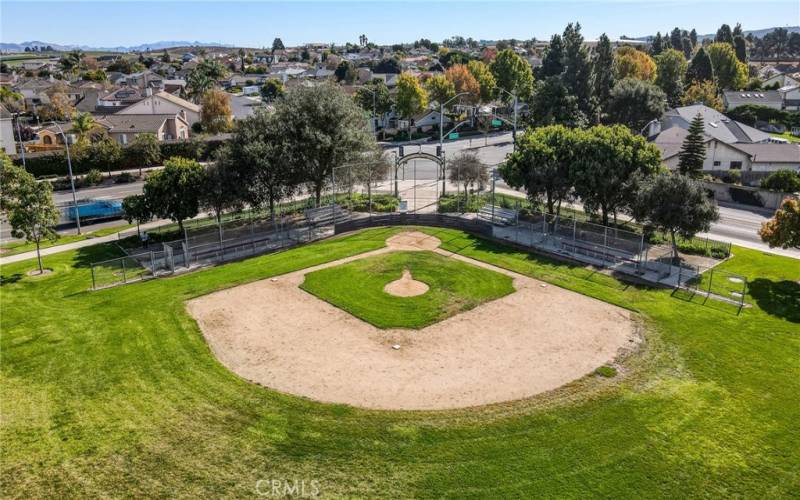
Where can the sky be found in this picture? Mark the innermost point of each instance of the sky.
(256, 23)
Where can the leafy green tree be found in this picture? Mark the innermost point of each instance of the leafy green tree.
(32, 214)
(321, 128)
(485, 78)
(657, 45)
(671, 75)
(174, 191)
(12, 180)
(272, 89)
(635, 102)
(105, 154)
(632, 63)
(552, 104)
(513, 74)
(700, 68)
(277, 44)
(411, 98)
(608, 164)
(143, 151)
(346, 72)
(602, 77)
(467, 170)
(729, 72)
(440, 89)
(693, 37)
(220, 188)
(783, 230)
(374, 94)
(389, 65)
(674, 204)
(704, 92)
(740, 47)
(693, 150)
(787, 181)
(541, 164)
(136, 209)
(675, 38)
(216, 114)
(724, 35)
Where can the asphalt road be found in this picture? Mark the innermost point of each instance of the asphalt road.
(737, 224)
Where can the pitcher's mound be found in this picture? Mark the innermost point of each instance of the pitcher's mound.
(406, 286)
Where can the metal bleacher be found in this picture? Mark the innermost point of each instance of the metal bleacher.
(323, 216)
(498, 216)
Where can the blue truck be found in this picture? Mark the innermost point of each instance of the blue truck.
(96, 209)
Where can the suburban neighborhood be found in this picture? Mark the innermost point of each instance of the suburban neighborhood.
(487, 253)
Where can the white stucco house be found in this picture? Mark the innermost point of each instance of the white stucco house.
(7, 132)
(163, 103)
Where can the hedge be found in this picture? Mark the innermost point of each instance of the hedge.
(55, 163)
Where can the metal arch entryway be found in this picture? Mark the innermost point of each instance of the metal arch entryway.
(400, 162)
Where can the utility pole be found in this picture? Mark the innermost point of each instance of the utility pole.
(21, 144)
(71, 178)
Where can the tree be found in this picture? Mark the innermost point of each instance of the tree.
(272, 89)
(9, 96)
(71, 61)
(463, 82)
(693, 37)
(632, 63)
(729, 72)
(657, 45)
(724, 35)
(467, 170)
(541, 163)
(346, 72)
(675, 204)
(553, 60)
(144, 151)
(411, 98)
(174, 191)
(787, 181)
(59, 108)
(322, 128)
(552, 104)
(165, 57)
(440, 89)
(198, 85)
(602, 78)
(34, 214)
(277, 44)
(12, 181)
(740, 48)
(671, 74)
(374, 94)
(215, 112)
(783, 230)
(693, 151)
(576, 66)
(485, 79)
(388, 65)
(220, 188)
(635, 103)
(105, 154)
(512, 74)
(83, 125)
(675, 38)
(703, 92)
(687, 47)
(608, 164)
(700, 68)
(374, 167)
(136, 209)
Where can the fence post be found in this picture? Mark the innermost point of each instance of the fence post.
(744, 291)
(605, 243)
(152, 263)
(124, 278)
(680, 268)
(574, 228)
(94, 283)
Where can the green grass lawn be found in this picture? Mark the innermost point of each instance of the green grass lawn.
(788, 136)
(116, 393)
(18, 247)
(357, 287)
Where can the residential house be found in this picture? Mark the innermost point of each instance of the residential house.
(119, 99)
(715, 124)
(779, 80)
(164, 103)
(7, 143)
(791, 97)
(768, 98)
(125, 127)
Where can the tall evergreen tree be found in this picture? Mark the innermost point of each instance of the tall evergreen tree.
(724, 34)
(602, 76)
(740, 46)
(700, 67)
(675, 38)
(693, 150)
(687, 47)
(553, 61)
(693, 37)
(657, 46)
(576, 66)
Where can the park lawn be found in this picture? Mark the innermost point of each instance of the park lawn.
(18, 247)
(788, 136)
(454, 287)
(115, 393)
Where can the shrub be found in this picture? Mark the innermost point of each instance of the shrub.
(93, 178)
(124, 178)
(606, 371)
(787, 181)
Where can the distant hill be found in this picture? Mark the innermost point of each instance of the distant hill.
(20, 47)
(756, 33)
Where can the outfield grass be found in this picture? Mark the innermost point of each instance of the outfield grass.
(115, 393)
(454, 286)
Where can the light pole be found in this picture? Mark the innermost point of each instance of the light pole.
(441, 131)
(374, 108)
(21, 143)
(71, 178)
(514, 133)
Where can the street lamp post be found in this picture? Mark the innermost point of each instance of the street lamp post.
(21, 144)
(374, 108)
(71, 178)
(514, 133)
(441, 132)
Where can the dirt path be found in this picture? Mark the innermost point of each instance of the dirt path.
(529, 342)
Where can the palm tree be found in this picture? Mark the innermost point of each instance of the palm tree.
(241, 56)
(199, 83)
(83, 125)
